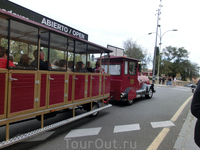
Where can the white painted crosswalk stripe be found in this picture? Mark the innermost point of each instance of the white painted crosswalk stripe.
(126, 128)
(83, 132)
(181, 89)
(162, 124)
(117, 129)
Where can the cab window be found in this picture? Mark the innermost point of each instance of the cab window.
(113, 69)
(126, 67)
(132, 68)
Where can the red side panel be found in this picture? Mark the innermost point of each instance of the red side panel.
(88, 90)
(107, 84)
(95, 85)
(79, 87)
(43, 90)
(132, 94)
(2, 93)
(57, 89)
(115, 89)
(70, 88)
(22, 92)
(102, 84)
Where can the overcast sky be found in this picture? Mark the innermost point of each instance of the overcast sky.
(114, 21)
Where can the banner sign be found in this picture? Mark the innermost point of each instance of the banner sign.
(31, 15)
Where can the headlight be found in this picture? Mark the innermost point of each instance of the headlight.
(123, 95)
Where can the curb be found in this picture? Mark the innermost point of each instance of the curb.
(185, 140)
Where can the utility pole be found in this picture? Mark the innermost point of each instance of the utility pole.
(155, 48)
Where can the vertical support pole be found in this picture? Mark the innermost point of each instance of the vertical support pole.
(7, 131)
(8, 43)
(91, 106)
(74, 111)
(108, 63)
(38, 54)
(100, 62)
(67, 54)
(42, 120)
(86, 66)
(37, 75)
(48, 58)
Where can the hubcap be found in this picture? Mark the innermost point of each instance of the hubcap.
(93, 108)
(130, 101)
(150, 92)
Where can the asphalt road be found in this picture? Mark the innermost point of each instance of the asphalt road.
(118, 127)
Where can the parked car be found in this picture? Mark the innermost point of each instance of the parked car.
(193, 87)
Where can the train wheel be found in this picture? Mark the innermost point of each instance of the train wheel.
(95, 105)
(130, 102)
(150, 94)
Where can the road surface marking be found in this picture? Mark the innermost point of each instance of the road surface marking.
(126, 128)
(181, 89)
(162, 124)
(40, 137)
(155, 144)
(83, 132)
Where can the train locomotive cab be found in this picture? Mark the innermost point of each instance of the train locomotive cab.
(126, 82)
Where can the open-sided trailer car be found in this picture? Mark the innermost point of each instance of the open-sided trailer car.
(31, 91)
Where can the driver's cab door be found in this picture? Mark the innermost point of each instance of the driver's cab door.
(130, 71)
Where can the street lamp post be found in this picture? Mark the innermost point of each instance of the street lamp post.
(155, 48)
(160, 37)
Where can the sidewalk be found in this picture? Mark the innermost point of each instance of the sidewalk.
(185, 140)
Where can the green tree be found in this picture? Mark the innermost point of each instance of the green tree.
(175, 60)
(133, 50)
(4, 42)
(18, 48)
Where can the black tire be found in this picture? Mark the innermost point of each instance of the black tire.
(192, 90)
(150, 94)
(95, 105)
(130, 102)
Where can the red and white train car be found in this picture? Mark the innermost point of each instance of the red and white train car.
(52, 71)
